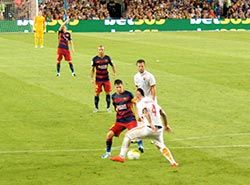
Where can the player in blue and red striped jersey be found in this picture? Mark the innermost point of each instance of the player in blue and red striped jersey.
(64, 39)
(100, 71)
(125, 117)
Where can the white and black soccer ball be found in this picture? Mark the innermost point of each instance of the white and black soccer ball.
(133, 154)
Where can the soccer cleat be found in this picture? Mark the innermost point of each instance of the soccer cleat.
(36, 46)
(141, 149)
(96, 110)
(73, 74)
(41, 46)
(174, 165)
(108, 110)
(117, 159)
(133, 141)
(106, 155)
(57, 74)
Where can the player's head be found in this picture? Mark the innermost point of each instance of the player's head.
(40, 13)
(139, 93)
(119, 86)
(141, 65)
(64, 28)
(101, 50)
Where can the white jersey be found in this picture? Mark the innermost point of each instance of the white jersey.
(144, 81)
(153, 109)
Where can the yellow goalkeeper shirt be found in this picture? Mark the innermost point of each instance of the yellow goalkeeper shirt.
(39, 23)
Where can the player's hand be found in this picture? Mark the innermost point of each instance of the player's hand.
(92, 81)
(153, 128)
(168, 128)
(67, 20)
(73, 50)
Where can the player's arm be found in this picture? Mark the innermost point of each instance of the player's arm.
(72, 46)
(44, 25)
(147, 116)
(34, 25)
(165, 121)
(153, 91)
(135, 82)
(152, 83)
(64, 23)
(134, 109)
(114, 69)
(113, 66)
(114, 104)
(92, 73)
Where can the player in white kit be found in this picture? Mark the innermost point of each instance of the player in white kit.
(151, 115)
(145, 80)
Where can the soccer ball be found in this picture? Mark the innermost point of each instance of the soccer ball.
(133, 154)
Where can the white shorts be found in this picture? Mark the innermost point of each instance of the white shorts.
(144, 131)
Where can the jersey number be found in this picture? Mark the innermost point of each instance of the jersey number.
(153, 109)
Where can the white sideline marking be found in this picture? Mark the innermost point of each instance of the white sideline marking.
(117, 148)
(207, 137)
(211, 146)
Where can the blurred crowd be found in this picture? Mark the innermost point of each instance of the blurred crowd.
(179, 9)
(81, 9)
(23, 9)
(141, 9)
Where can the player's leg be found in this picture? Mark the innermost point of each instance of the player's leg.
(58, 63)
(115, 130)
(140, 145)
(109, 140)
(41, 39)
(138, 141)
(68, 58)
(108, 88)
(71, 66)
(98, 90)
(134, 133)
(36, 39)
(159, 143)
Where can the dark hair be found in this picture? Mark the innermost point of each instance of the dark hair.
(141, 91)
(101, 46)
(140, 61)
(118, 82)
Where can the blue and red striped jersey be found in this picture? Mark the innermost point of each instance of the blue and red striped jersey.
(64, 39)
(101, 66)
(123, 106)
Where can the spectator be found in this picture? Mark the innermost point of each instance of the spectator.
(2, 10)
(140, 9)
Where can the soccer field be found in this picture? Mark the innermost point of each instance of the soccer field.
(50, 135)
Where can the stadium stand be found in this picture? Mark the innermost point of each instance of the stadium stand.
(131, 9)
(150, 9)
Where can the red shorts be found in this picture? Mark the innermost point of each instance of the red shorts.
(117, 128)
(63, 53)
(106, 85)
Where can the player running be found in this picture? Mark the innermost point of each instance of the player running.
(39, 28)
(100, 71)
(64, 39)
(151, 115)
(125, 118)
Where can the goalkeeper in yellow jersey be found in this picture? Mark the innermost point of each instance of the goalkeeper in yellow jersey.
(39, 29)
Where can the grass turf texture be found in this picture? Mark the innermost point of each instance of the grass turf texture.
(49, 134)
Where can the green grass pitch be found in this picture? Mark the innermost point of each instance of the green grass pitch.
(49, 134)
